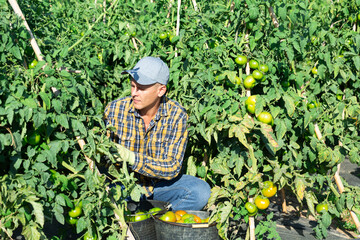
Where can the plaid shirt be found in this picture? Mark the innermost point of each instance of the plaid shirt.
(159, 151)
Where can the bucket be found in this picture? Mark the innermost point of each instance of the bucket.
(182, 231)
(145, 229)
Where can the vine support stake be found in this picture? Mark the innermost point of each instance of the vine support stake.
(283, 200)
(33, 42)
(178, 23)
(252, 223)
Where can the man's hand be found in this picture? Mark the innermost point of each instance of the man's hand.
(124, 154)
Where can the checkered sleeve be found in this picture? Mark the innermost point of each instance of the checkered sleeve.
(167, 161)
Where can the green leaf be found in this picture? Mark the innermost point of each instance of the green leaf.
(289, 105)
(38, 212)
(16, 52)
(191, 166)
(356, 60)
(62, 119)
(30, 232)
(45, 98)
(30, 102)
(64, 51)
(220, 169)
(310, 201)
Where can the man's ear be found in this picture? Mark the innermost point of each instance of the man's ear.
(162, 90)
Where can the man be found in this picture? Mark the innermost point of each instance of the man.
(152, 136)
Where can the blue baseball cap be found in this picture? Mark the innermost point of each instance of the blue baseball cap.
(149, 70)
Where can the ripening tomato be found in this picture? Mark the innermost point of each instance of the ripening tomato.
(269, 189)
(262, 202)
(265, 117)
(169, 216)
(314, 70)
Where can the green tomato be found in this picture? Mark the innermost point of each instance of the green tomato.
(140, 216)
(75, 212)
(251, 208)
(322, 207)
(71, 220)
(250, 108)
(313, 104)
(254, 64)
(249, 82)
(87, 236)
(163, 35)
(33, 64)
(358, 17)
(251, 100)
(265, 117)
(154, 210)
(264, 68)
(285, 83)
(257, 74)
(241, 60)
(34, 138)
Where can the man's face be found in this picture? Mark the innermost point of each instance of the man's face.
(146, 97)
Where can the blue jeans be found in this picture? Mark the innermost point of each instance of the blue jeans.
(185, 192)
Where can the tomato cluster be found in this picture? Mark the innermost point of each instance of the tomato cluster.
(168, 35)
(258, 73)
(74, 214)
(182, 216)
(262, 201)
